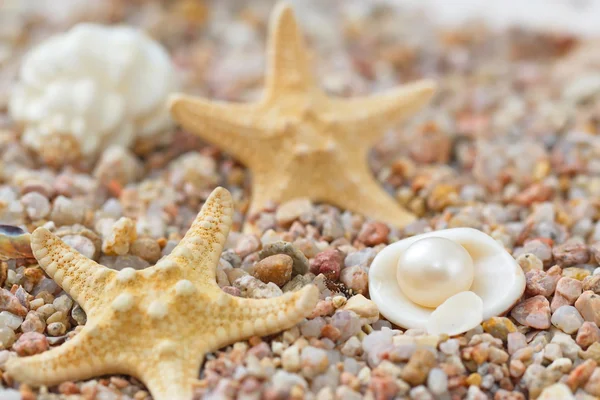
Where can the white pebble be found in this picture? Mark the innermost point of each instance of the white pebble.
(567, 319)
(10, 320)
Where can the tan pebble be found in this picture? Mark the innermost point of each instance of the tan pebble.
(576, 273)
(419, 365)
(338, 301)
(588, 304)
(499, 327)
(147, 249)
(362, 306)
(587, 334)
(474, 380)
(276, 269)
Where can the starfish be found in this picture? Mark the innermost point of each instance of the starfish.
(298, 142)
(155, 324)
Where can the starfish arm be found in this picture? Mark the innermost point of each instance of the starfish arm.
(198, 253)
(168, 373)
(288, 67)
(74, 360)
(233, 127)
(263, 316)
(371, 116)
(79, 276)
(369, 199)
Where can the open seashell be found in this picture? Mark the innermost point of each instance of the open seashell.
(439, 281)
(14, 243)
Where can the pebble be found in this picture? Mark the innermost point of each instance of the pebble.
(347, 322)
(588, 304)
(373, 233)
(250, 287)
(323, 308)
(10, 320)
(147, 249)
(290, 359)
(361, 258)
(82, 244)
(595, 253)
(568, 346)
(592, 283)
(313, 361)
(352, 347)
(538, 282)
(34, 322)
(8, 302)
(569, 288)
(383, 387)
(290, 211)
(312, 327)
(580, 374)
(417, 369)
(355, 278)
(576, 273)
(587, 334)
(499, 327)
(36, 205)
(121, 262)
(567, 319)
(552, 351)
(66, 212)
(557, 391)
(592, 352)
(420, 393)
(533, 312)
(7, 337)
(56, 329)
(276, 269)
(122, 234)
(31, 343)
(63, 303)
(246, 245)
(328, 263)
(79, 315)
(593, 384)
(530, 262)
(363, 307)
(539, 248)
(300, 262)
(437, 381)
(569, 254)
(118, 164)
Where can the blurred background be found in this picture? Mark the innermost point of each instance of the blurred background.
(519, 81)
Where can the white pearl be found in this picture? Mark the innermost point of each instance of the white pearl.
(433, 269)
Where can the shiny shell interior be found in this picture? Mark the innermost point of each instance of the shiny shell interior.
(14, 243)
(499, 281)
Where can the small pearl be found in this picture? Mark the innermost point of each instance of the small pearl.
(433, 269)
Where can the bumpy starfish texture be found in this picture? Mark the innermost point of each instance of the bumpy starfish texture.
(298, 142)
(155, 324)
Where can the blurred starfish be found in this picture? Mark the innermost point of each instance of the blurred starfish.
(297, 141)
(155, 324)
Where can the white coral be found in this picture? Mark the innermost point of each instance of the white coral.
(92, 87)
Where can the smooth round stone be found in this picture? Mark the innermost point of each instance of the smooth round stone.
(567, 319)
(433, 269)
(10, 320)
(7, 337)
